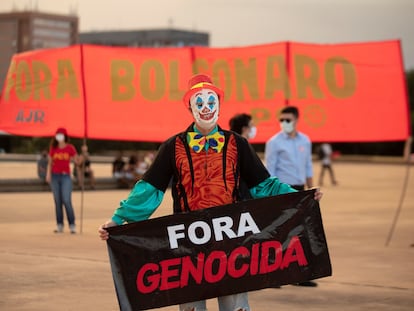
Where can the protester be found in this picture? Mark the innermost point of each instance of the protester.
(61, 153)
(325, 155)
(200, 161)
(42, 163)
(83, 169)
(288, 155)
(243, 125)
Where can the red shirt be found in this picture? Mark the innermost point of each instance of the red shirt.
(61, 158)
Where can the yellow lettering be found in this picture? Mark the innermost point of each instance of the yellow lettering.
(274, 83)
(10, 80)
(200, 65)
(307, 76)
(260, 115)
(314, 116)
(175, 93)
(122, 77)
(42, 78)
(67, 81)
(24, 81)
(152, 80)
(246, 76)
(221, 71)
(348, 87)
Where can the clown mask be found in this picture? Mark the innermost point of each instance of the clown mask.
(205, 108)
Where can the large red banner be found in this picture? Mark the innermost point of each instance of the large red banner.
(345, 92)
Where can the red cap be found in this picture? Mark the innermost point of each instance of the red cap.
(62, 130)
(198, 82)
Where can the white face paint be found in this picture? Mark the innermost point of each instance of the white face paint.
(205, 108)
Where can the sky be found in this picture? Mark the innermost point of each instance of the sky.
(247, 22)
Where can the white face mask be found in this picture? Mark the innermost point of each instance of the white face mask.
(287, 127)
(205, 107)
(252, 133)
(60, 137)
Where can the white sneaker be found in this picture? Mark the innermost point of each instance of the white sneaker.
(59, 229)
(72, 229)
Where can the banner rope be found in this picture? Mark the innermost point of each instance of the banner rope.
(403, 192)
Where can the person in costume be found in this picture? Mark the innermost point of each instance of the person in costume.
(206, 165)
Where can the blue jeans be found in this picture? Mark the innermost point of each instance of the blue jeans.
(226, 303)
(62, 193)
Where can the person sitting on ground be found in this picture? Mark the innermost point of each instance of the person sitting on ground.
(131, 173)
(119, 170)
(144, 165)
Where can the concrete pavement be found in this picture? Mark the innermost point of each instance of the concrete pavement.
(40, 270)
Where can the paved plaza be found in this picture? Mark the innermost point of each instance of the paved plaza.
(40, 270)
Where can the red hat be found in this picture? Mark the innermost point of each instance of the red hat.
(199, 82)
(62, 130)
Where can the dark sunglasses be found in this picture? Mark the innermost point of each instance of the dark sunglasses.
(285, 120)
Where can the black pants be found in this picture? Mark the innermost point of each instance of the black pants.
(331, 173)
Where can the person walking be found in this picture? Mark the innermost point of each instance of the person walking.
(325, 155)
(288, 155)
(204, 164)
(61, 153)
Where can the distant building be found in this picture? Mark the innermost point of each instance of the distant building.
(31, 30)
(146, 38)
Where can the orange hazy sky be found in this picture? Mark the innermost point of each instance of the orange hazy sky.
(247, 22)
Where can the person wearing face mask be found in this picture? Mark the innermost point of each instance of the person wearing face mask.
(205, 165)
(61, 153)
(243, 125)
(288, 155)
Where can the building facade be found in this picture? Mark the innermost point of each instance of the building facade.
(146, 38)
(31, 30)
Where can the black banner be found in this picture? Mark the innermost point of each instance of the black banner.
(218, 251)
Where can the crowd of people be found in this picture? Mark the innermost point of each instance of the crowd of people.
(128, 172)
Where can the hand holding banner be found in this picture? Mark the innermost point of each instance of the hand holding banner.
(219, 251)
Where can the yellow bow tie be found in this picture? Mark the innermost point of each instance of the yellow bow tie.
(198, 142)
